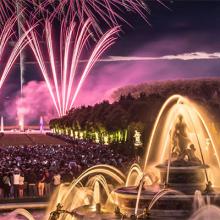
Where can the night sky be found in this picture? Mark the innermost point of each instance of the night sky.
(186, 27)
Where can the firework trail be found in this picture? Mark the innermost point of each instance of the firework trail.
(24, 10)
(9, 8)
(90, 15)
(6, 34)
(73, 41)
(110, 12)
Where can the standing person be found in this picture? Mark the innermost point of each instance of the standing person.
(6, 185)
(32, 183)
(16, 177)
(11, 178)
(41, 184)
(47, 183)
(21, 185)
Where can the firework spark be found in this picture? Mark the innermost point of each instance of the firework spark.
(5, 36)
(110, 12)
(73, 42)
(9, 8)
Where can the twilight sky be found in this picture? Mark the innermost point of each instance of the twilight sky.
(188, 27)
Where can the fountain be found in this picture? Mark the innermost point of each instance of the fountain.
(177, 178)
(41, 124)
(207, 212)
(18, 214)
(198, 201)
(177, 150)
(2, 124)
(179, 175)
(21, 123)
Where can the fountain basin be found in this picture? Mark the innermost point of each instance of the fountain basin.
(169, 206)
(126, 197)
(186, 179)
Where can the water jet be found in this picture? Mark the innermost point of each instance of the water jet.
(176, 177)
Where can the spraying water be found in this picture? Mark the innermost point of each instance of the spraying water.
(134, 176)
(21, 122)
(198, 131)
(41, 124)
(198, 200)
(207, 212)
(17, 213)
(76, 195)
(2, 124)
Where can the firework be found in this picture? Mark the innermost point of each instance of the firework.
(110, 12)
(24, 10)
(107, 11)
(22, 7)
(5, 36)
(73, 42)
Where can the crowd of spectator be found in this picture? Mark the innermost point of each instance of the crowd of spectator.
(37, 170)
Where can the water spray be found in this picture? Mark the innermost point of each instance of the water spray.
(2, 124)
(41, 124)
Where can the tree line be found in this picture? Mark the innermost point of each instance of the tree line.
(135, 108)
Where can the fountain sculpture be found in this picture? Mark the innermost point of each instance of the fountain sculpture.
(177, 174)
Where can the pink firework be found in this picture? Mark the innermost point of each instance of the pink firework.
(5, 36)
(11, 7)
(101, 12)
(110, 12)
(73, 41)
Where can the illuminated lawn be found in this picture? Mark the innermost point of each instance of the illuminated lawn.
(28, 139)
